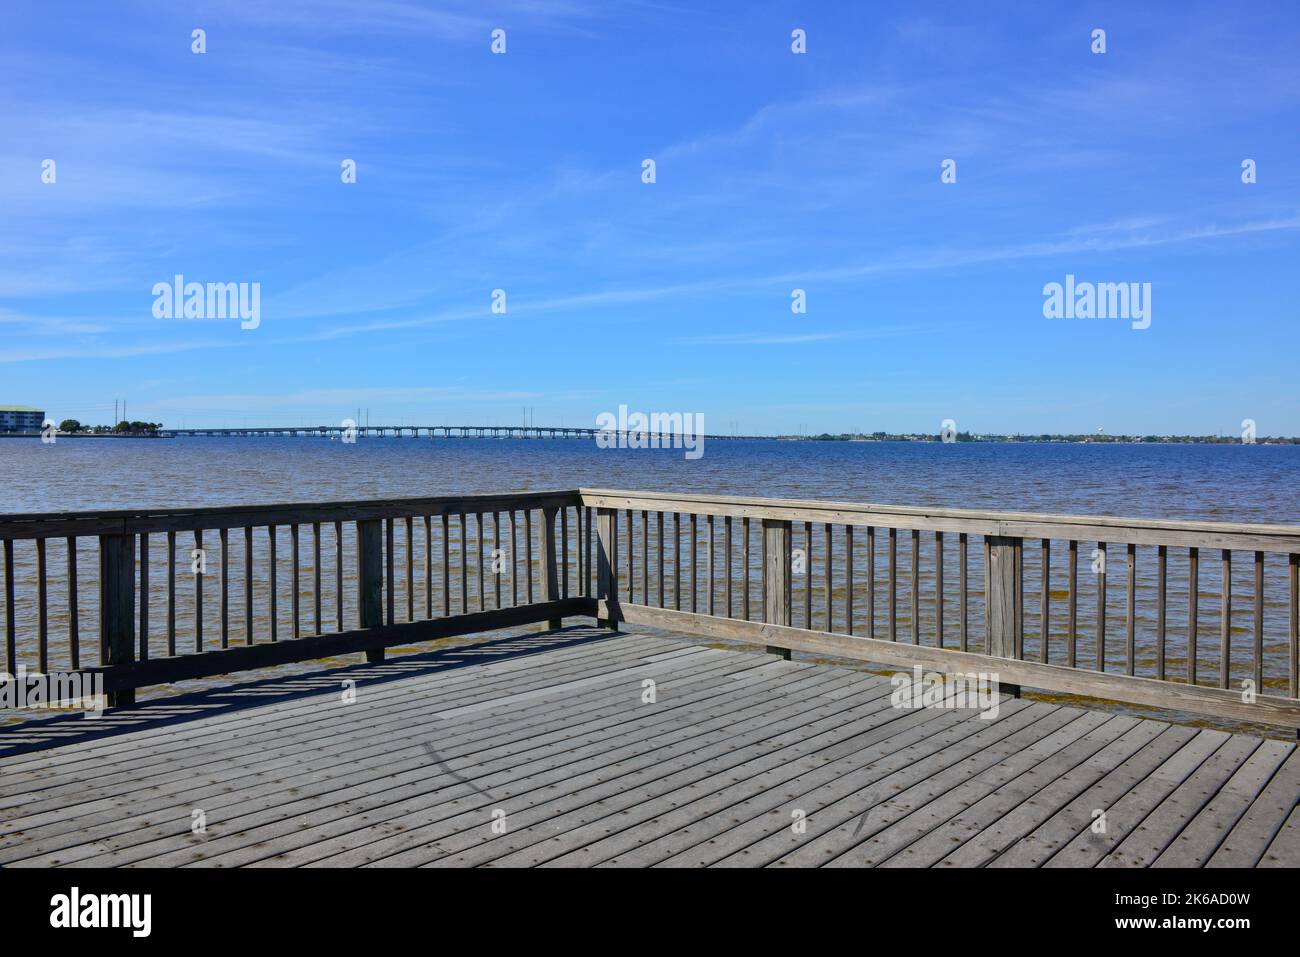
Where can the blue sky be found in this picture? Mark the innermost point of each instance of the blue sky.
(775, 171)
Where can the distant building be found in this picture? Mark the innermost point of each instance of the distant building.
(20, 418)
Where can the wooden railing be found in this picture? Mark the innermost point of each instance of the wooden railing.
(963, 591)
(191, 593)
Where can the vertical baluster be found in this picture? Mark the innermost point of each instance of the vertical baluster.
(272, 567)
(1131, 610)
(410, 568)
(745, 523)
(871, 581)
(248, 594)
(514, 560)
(293, 554)
(676, 561)
(586, 531)
(338, 576)
(11, 638)
(659, 553)
(829, 576)
(564, 552)
(1018, 550)
(577, 549)
(1259, 623)
(916, 586)
(446, 560)
(389, 582)
(144, 596)
(316, 589)
(478, 555)
(42, 610)
(74, 625)
(727, 562)
(1293, 624)
(963, 627)
(848, 578)
(1045, 602)
(464, 560)
(497, 555)
(1193, 603)
(1072, 626)
(893, 584)
(695, 557)
(171, 593)
(645, 555)
(528, 551)
(1101, 609)
(631, 560)
(938, 589)
(988, 605)
(708, 556)
(807, 576)
(224, 536)
(1225, 621)
(198, 593)
(1162, 580)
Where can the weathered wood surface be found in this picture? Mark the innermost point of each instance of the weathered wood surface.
(556, 739)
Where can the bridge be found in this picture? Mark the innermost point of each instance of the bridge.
(449, 432)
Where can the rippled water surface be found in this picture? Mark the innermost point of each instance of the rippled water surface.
(1256, 483)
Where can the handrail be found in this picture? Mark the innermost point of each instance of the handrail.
(853, 608)
(1121, 529)
(333, 581)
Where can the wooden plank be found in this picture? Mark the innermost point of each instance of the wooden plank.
(1076, 817)
(1158, 830)
(1202, 835)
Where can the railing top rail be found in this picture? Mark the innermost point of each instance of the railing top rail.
(1108, 528)
(131, 521)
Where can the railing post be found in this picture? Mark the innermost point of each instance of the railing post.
(606, 563)
(117, 608)
(370, 578)
(550, 565)
(776, 577)
(1003, 600)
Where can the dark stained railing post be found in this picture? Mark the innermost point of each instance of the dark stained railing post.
(1003, 600)
(549, 565)
(776, 577)
(606, 562)
(370, 578)
(117, 608)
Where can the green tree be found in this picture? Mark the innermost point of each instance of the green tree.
(69, 425)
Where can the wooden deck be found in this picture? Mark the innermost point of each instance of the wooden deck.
(551, 729)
